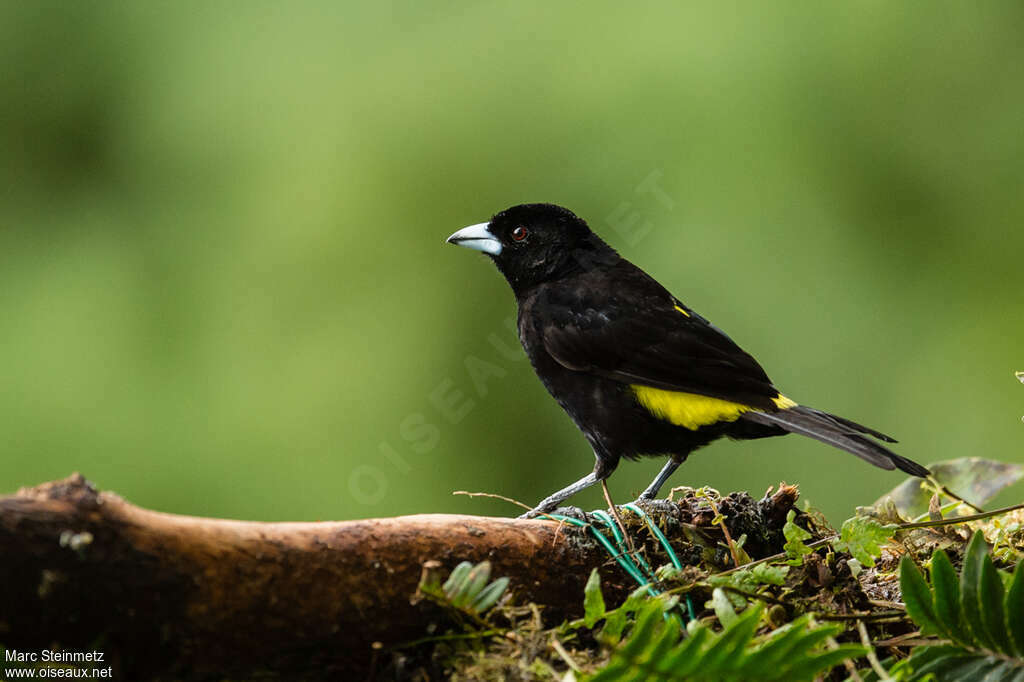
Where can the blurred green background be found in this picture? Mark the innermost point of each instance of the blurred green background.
(224, 288)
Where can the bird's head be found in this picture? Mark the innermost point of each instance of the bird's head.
(534, 243)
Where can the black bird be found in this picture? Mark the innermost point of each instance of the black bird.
(638, 372)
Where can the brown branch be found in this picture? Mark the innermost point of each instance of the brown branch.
(188, 598)
(180, 597)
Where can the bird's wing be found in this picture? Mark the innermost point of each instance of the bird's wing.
(642, 335)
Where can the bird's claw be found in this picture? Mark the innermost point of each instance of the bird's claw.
(571, 512)
(652, 504)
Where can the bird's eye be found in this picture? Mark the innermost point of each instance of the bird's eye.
(519, 234)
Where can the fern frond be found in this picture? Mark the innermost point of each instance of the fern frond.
(655, 650)
(982, 620)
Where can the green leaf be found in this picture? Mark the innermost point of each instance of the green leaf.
(883, 511)
(767, 574)
(478, 578)
(455, 581)
(970, 590)
(686, 658)
(991, 594)
(1015, 609)
(786, 639)
(918, 597)
(615, 621)
(645, 632)
(724, 654)
(946, 598)
(977, 613)
(472, 584)
(723, 608)
(973, 478)
(862, 537)
(749, 580)
(807, 668)
(489, 596)
(654, 652)
(661, 655)
(593, 600)
(958, 666)
(614, 624)
(795, 536)
(921, 657)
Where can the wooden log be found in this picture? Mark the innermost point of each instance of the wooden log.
(178, 597)
(193, 597)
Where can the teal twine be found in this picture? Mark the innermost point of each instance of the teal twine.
(641, 563)
(664, 543)
(657, 533)
(623, 558)
(639, 570)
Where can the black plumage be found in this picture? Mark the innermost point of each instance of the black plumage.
(636, 370)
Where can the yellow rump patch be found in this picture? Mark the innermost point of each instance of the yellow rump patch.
(688, 410)
(692, 411)
(783, 403)
(681, 310)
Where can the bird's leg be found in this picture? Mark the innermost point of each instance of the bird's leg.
(604, 465)
(553, 500)
(651, 491)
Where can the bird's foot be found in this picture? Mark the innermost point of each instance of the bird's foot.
(658, 506)
(571, 512)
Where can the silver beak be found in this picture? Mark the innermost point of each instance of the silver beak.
(477, 237)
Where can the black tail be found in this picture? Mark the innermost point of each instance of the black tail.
(838, 432)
